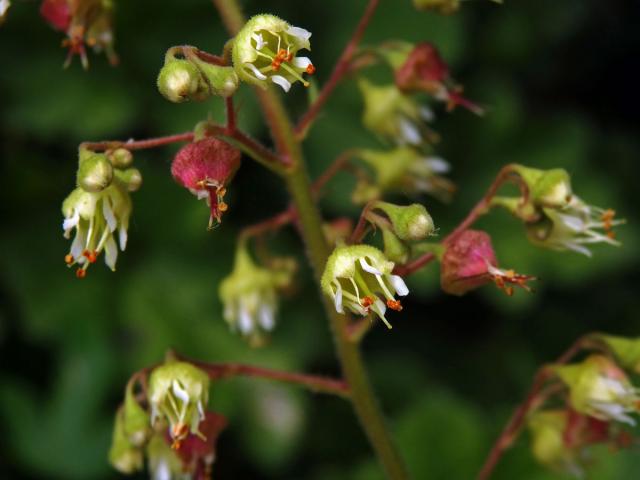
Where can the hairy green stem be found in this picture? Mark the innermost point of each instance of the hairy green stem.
(310, 224)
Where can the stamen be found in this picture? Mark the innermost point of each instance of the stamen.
(223, 207)
(68, 259)
(81, 273)
(394, 305)
(310, 69)
(367, 301)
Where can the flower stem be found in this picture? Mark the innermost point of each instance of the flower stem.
(342, 67)
(310, 225)
(138, 144)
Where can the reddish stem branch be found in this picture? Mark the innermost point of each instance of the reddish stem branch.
(342, 67)
(138, 144)
(531, 401)
(311, 382)
(505, 174)
(335, 166)
(270, 224)
(231, 115)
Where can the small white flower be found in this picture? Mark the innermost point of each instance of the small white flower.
(96, 218)
(265, 52)
(359, 279)
(575, 227)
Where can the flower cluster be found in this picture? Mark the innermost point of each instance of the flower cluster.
(99, 208)
(359, 278)
(265, 52)
(177, 436)
(86, 23)
(250, 295)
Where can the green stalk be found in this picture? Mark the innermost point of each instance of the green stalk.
(362, 395)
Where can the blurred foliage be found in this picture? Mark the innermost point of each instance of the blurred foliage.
(559, 81)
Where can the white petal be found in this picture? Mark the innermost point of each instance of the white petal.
(259, 41)
(77, 247)
(122, 238)
(180, 392)
(577, 248)
(301, 62)
(266, 316)
(110, 252)
(70, 223)
(427, 114)
(283, 82)
(438, 165)
(200, 409)
(409, 132)
(245, 324)
(162, 471)
(4, 6)
(574, 223)
(258, 74)
(398, 285)
(338, 298)
(380, 307)
(200, 194)
(108, 214)
(299, 32)
(368, 268)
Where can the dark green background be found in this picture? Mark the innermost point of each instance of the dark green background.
(560, 80)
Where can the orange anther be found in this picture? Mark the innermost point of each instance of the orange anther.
(611, 235)
(91, 256)
(81, 273)
(311, 69)
(223, 207)
(366, 302)
(68, 259)
(221, 192)
(394, 305)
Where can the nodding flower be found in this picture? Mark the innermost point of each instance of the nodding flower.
(358, 278)
(265, 51)
(600, 389)
(470, 262)
(574, 227)
(250, 296)
(179, 393)
(206, 167)
(394, 116)
(403, 170)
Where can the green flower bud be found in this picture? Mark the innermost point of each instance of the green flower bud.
(120, 158)
(265, 49)
(599, 388)
(180, 80)
(131, 178)
(222, 81)
(250, 296)
(626, 350)
(410, 223)
(394, 248)
(135, 419)
(360, 278)
(95, 172)
(547, 188)
(179, 392)
(445, 7)
(124, 456)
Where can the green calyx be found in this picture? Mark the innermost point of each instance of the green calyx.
(180, 80)
(395, 249)
(95, 171)
(547, 188)
(124, 455)
(626, 350)
(135, 419)
(410, 223)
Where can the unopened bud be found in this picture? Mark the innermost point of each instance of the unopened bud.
(135, 418)
(410, 223)
(124, 456)
(120, 157)
(394, 248)
(222, 81)
(95, 172)
(180, 80)
(131, 177)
